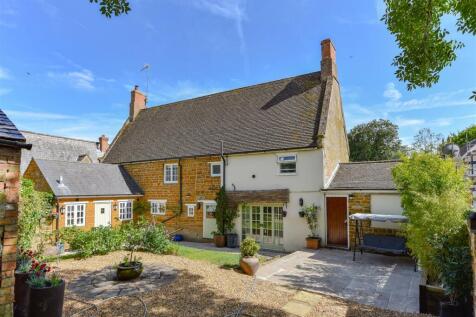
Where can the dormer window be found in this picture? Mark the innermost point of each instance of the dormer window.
(287, 164)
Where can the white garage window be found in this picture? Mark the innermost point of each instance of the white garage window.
(387, 205)
(190, 210)
(125, 210)
(75, 214)
(158, 207)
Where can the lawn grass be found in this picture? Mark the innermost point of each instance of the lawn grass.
(220, 258)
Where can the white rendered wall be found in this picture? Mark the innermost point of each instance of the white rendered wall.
(387, 204)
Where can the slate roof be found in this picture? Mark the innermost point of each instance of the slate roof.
(467, 148)
(50, 147)
(81, 179)
(282, 114)
(8, 131)
(376, 175)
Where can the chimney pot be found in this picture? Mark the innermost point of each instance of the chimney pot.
(138, 103)
(103, 143)
(328, 59)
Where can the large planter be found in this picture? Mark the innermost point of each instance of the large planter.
(20, 306)
(219, 240)
(249, 265)
(430, 298)
(129, 271)
(231, 240)
(313, 243)
(47, 301)
(449, 310)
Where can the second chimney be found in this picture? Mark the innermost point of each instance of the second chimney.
(103, 143)
(328, 59)
(138, 103)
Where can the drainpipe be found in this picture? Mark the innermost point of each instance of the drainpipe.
(57, 221)
(180, 184)
(223, 158)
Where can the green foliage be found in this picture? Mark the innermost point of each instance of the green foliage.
(464, 136)
(373, 141)
(249, 247)
(34, 207)
(311, 213)
(221, 258)
(427, 141)
(131, 236)
(453, 258)
(436, 198)
(224, 215)
(425, 47)
(141, 207)
(110, 7)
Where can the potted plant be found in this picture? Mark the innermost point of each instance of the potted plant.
(225, 218)
(249, 263)
(219, 239)
(131, 267)
(46, 291)
(313, 241)
(22, 271)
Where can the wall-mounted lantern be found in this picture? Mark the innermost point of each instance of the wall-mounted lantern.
(62, 210)
(199, 205)
(284, 213)
(114, 206)
(301, 202)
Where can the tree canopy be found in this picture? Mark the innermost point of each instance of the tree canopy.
(426, 48)
(112, 7)
(373, 141)
(427, 141)
(463, 136)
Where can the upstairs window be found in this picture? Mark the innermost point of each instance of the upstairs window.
(125, 210)
(287, 164)
(215, 169)
(158, 207)
(170, 173)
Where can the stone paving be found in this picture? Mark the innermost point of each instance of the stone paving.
(383, 281)
(103, 284)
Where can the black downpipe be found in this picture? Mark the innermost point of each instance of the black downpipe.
(180, 184)
(224, 184)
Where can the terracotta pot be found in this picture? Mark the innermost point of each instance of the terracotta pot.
(313, 243)
(46, 301)
(220, 241)
(22, 290)
(129, 271)
(249, 265)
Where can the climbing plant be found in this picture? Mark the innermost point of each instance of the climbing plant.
(34, 207)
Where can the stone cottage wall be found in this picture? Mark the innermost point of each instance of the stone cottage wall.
(360, 203)
(9, 196)
(197, 184)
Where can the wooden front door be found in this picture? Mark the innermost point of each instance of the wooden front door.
(336, 221)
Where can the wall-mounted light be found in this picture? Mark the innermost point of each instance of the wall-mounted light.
(285, 213)
(199, 205)
(301, 202)
(114, 206)
(62, 210)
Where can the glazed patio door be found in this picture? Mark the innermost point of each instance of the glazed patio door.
(264, 223)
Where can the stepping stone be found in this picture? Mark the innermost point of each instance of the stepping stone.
(297, 308)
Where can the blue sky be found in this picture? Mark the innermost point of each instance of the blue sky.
(67, 70)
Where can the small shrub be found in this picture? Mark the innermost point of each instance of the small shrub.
(311, 213)
(225, 215)
(249, 247)
(101, 240)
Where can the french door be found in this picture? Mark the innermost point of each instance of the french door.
(264, 223)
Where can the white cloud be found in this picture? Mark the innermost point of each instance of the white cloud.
(392, 93)
(4, 91)
(82, 79)
(31, 115)
(402, 122)
(4, 73)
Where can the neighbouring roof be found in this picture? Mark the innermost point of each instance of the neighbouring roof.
(80, 179)
(8, 131)
(467, 148)
(376, 175)
(258, 196)
(50, 147)
(282, 114)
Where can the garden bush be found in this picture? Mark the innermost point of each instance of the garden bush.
(249, 247)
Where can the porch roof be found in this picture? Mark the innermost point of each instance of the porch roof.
(258, 196)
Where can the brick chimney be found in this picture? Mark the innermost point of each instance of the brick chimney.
(138, 103)
(328, 59)
(103, 143)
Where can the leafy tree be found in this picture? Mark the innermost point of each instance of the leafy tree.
(425, 47)
(373, 141)
(427, 141)
(435, 198)
(224, 214)
(110, 7)
(464, 136)
(34, 207)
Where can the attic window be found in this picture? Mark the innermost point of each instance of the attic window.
(287, 164)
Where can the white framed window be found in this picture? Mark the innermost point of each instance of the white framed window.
(191, 210)
(171, 173)
(215, 169)
(287, 164)
(75, 214)
(158, 207)
(125, 210)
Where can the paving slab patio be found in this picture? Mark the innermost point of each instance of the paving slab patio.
(383, 281)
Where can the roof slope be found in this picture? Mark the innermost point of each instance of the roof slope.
(8, 130)
(467, 148)
(80, 179)
(376, 175)
(50, 147)
(281, 114)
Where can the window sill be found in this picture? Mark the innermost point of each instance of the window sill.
(287, 174)
(125, 219)
(169, 183)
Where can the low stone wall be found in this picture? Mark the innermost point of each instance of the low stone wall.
(360, 203)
